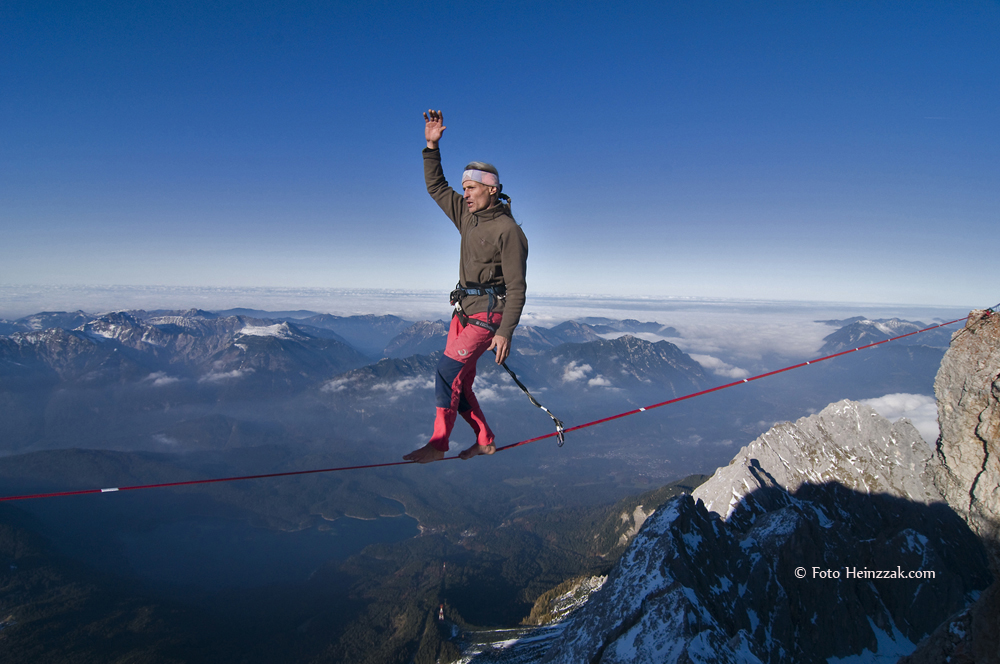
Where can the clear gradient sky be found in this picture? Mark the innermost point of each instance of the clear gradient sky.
(842, 151)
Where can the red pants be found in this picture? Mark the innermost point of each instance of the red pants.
(455, 374)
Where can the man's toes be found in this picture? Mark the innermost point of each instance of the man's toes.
(476, 450)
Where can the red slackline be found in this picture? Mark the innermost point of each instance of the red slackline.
(57, 494)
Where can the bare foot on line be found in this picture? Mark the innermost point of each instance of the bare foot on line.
(476, 450)
(425, 454)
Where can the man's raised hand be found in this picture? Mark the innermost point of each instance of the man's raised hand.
(433, 128)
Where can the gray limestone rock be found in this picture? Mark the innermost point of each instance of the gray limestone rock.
(966, 470)
(966, 467)
(791, 553)
(847, 442)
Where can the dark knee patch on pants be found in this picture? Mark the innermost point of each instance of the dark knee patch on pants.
(447, 371)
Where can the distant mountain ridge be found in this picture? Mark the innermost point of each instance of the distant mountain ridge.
(368, 333)
(377, 336)
(122, 375)
(193, 343)
(135, 376)
(422, 338)
(859, 331)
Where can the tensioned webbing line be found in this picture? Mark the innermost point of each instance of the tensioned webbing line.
(733, 384)
(161, 485)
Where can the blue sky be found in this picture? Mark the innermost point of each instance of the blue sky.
(806, 151)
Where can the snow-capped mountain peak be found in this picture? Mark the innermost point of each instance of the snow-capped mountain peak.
(278, 330)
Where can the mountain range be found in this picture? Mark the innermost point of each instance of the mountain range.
(841, 537)
(152, 371)
(859, 331)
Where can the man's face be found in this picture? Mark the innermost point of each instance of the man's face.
(477, 195)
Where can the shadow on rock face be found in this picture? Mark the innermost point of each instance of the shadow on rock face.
(824, 572)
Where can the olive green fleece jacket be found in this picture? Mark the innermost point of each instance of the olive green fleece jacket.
(494, 249)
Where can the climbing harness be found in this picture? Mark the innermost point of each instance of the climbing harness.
(498, 292)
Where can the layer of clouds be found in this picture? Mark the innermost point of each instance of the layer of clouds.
(19, 301)
(217, 376)
(575, 371)
(487, 391)
(390, 391)
(164, 439)
(160, 379)
(336, 385)
(920, 409)
(720, 368)
(405, 385)
(734, 330)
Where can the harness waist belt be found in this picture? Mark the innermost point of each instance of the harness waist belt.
(499, 290)
(494, 292)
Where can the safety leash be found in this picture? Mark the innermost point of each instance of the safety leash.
(468, 320)
(560, 427)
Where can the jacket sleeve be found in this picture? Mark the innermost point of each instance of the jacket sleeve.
(514, 259)
(447, 198)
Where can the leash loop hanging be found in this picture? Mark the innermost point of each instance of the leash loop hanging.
(560, 427)
(465, 319)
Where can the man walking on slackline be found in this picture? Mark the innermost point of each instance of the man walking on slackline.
(489, 297)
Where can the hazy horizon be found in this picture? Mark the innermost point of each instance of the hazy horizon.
(17, 301)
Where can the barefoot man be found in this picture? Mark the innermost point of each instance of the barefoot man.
(488, 299)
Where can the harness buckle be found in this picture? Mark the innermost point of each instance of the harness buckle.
(498, 291)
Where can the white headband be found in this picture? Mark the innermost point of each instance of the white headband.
(482, 177)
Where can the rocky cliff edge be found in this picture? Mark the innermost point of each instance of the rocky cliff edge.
(965, 469)
(801, 549)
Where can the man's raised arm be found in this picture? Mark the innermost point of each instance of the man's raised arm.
(447, 198)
